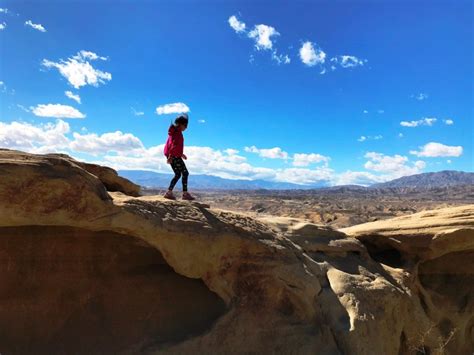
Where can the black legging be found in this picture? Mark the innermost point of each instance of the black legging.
(179, 169)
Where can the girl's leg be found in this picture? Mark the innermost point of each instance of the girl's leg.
(184, 180)
(177, 173)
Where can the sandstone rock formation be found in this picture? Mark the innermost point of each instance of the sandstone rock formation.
(89, 271)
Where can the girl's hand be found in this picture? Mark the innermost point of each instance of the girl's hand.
(168, 161)
(184, 157)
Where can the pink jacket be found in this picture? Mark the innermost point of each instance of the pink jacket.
(175, 142)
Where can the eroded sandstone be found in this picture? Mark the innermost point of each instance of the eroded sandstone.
(84, 260)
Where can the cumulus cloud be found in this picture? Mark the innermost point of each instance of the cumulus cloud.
(305, 176)
(95, 144)
(73, 96)
(263, 37)
(3, 10)
(43, 138)
(423, 122)
(35, 26)
(201, 121)
(56, 111)
(3, 87)
(392, 166)
(262, 34)
(434, 149)
(271, 153)
(237, 25)
(363, 178)
(3, 25)
(420, 96)
(78, 70)
(448, 122)
(176, 107)
(311, 54)
(302, 159)
(126, 151)
(348, 61)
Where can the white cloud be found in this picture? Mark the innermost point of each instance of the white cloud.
(400, 135)
(231, 151)
(304, 176)
(3, 87)
(434, 149)
(271, 153)
(177, 107)
(302, 159)
(43, 138)
(237, 25)
(365, 138)
(117, 142)
(3, 10)
(380, 111)
(78, 70)
(449, 161)
(364, 178)
(281, 58)
(392, 166)
(311, 54)
(365, 111)
(126, 151)
(448, 122)
(72, 96)
(420, 96)
(56, 111)
(137, 113)
(35, 26)
(423, 122)
(90, 55)
(262, 34)
(201, 121)
(3, 25)
(348, 61)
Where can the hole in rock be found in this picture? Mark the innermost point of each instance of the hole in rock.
(74, 291)
(383, 253)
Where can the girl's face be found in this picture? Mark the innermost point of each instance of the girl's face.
(182, 127)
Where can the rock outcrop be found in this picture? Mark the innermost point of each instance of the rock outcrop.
(87, 270)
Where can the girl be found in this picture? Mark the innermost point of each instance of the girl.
(174, 155)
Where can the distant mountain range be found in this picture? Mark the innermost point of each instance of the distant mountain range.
(431, 180)
(151, 179)
(206, 182)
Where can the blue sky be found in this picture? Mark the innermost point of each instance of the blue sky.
(336, 91)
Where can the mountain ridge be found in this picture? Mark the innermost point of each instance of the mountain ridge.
(445, 178)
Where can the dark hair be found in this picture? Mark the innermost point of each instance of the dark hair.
(181, 120)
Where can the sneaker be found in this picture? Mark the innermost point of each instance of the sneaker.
(169, 195)
(188, 196)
